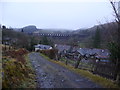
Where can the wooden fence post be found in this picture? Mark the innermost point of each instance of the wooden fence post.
(5, 46)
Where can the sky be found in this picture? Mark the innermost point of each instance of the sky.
(61, 14)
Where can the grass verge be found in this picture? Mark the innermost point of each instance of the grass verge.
(15, 74)
(106, 83)
(30, 81)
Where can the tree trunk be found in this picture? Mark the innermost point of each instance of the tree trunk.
(9, 47)
(118, 38)
(78, 61)
(118, 79)
(5, 46)
(116, 70)
(66, 61)
(56, 57)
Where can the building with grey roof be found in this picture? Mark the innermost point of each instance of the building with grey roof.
(42, 47)
(62, 48)
(98, 53)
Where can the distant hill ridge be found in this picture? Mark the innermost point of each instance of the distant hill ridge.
(34, 29)
(30, 29)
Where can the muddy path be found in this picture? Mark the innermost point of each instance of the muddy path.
(51, 75)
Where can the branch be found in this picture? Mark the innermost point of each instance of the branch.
(115, 11)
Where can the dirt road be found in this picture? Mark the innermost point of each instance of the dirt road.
(51, 75)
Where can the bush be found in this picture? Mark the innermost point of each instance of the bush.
(50, 53)
(17, 54)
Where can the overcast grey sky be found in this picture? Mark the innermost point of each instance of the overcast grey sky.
(63, 15)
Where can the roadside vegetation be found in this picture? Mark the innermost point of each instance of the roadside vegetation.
(17, 71)
(52, 53)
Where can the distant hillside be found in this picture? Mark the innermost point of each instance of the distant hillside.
(107, 30)
(54, 31)
(83, 37)
(27, 29)
(103, 27)
(33, 29)
(30, 29)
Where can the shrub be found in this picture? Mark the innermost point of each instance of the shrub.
(50, 53)
(17, 54)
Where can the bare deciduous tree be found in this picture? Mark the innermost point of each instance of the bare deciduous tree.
(115, 46)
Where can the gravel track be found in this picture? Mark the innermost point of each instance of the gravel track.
(51, 75)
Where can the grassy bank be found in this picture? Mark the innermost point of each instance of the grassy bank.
(106, 83)
(17, 71)
(30, 81)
